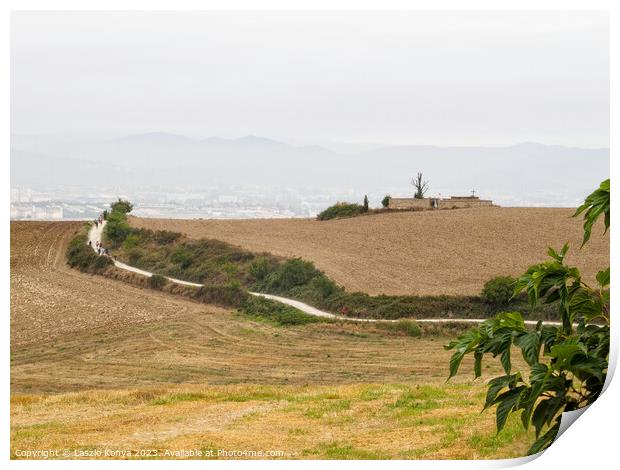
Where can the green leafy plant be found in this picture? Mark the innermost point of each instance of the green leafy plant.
(341, 210)
(122, 206)
(595, 204)
(498, 291)
(260, 268)
(385, 202)
(365, 205)
(231, 294)
(568, 363)
(283, 315)
(117, 228)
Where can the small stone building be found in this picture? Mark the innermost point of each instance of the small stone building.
(431, 203)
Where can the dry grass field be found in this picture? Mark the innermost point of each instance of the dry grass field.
(97, 363)
(412, 253)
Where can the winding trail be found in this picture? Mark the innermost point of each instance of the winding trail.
(94, 236)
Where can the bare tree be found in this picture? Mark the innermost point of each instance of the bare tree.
(420, 186)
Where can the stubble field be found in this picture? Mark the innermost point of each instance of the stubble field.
(452, 252)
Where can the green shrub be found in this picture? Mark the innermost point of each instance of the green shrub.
(117, 228)
(157, 281)
(230, 269)
(228, 295)
(260, 268)
(294, 272)
(131, 241)
(121, 206)
(276, 312)
(181, 256)
(341, 210)
(165, 237)
(499, 290)
(80, 255)
(324, 286)
(102, 262)
(385, 202)
(135, 256)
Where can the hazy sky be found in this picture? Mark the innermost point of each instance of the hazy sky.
(444, 78)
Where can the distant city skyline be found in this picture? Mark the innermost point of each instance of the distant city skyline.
(391, 78)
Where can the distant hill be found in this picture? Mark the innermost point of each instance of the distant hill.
(527, 173)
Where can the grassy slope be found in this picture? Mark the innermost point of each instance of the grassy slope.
(367, 421)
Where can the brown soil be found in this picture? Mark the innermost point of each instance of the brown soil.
(421, 253)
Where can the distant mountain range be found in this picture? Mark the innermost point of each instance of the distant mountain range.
(527, 173)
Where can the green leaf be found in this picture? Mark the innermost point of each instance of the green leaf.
(478, 363)
(455, 362)
(497, 384)
(554, 254)
(564, 352)
(540, 414)
(545, 440)
(585, 367)
(602, 278)
(512, 320)
(507, 401)
(594, 205)
(505, 360)
(530, 346)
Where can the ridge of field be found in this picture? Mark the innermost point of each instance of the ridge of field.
(99, 363)
(449, 252)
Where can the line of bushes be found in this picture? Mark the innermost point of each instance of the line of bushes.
(341, 210)
(301, 280)
(201, 261)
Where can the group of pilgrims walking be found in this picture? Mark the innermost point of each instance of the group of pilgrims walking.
(99, 248)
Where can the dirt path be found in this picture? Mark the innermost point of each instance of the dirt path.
(94, 236)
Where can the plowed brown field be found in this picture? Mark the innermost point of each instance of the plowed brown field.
(419, 253)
